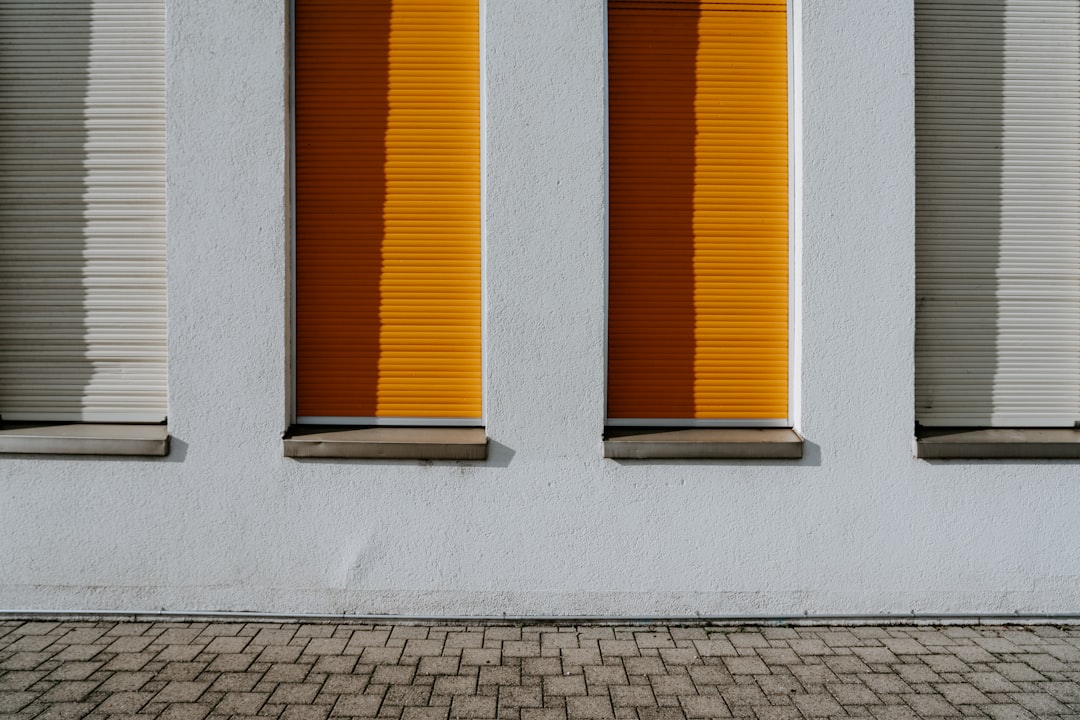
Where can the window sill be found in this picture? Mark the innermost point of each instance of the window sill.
(626, 443)
(84, 439)
(387, 443)
(997, 443)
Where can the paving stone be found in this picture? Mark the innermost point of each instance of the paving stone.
(644, 666)
(715, 647)
(185, 711)
(565, 685)
(1007, 712)
(589, 708)
(305, 712)
(679, 656)
(294, 694)
(709, 675)
(990, 682)
(961, 694)
(124, 702)
(473, 706)
(381, 655)
(14, 701)
(441, 665)
(128, 644)
(481, 656)
(541, 666)
(818, 705)
(742, 638)
(777, 713)
(702, 706)
(577, 657)
(241, 703)
(660, 713)
(904, 646)
(334, 664)
(543, 714)
(392, 674)
(69, 691)
(455, 685)
(810, 647)
(467, 639)
(631, 696)
(501, 675)
(746, 665)
(20, 679)
(1042, 704)
(423, 647)
(998, 645)
(846, 664)
(287, 673)
(778, 656)
(179, 671)
(671, 684)
(1066, 653)
(972, 654)
(875, 655)
(743, 695)
(946, 663)
(1066, 692)
(407, 695)
(618, 648)
(502, 632)
(654, 640)
(926, 706)
(426, 713)
(852, 694)
(182, 691)
(1017, 672)
(894, 712)
(916, 672)
(511, 696)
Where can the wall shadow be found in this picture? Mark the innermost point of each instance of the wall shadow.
(44, 64)
(341, 71)
(959, 102)
(652, 58)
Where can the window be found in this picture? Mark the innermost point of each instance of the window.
(387, 192)
(998, 214)
(82, 213)
(698, 329)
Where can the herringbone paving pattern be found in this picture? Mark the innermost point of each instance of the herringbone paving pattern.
(297, 671)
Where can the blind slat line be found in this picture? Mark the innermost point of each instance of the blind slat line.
(998, 213)
(82, 211)
(406, 75)
(698, 281)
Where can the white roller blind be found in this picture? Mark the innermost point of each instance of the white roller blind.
(82, 210)
(998, 212)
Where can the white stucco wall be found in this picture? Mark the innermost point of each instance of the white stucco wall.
(546, 526)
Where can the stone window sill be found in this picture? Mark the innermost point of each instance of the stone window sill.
(997, 443)
(627, 443)
(387, 443)
(84, 439)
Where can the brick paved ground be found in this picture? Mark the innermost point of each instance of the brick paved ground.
(195, 670)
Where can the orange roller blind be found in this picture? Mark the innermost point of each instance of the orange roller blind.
(388, 276)
(698, 285)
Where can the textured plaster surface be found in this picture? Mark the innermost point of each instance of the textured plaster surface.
(545, 526)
